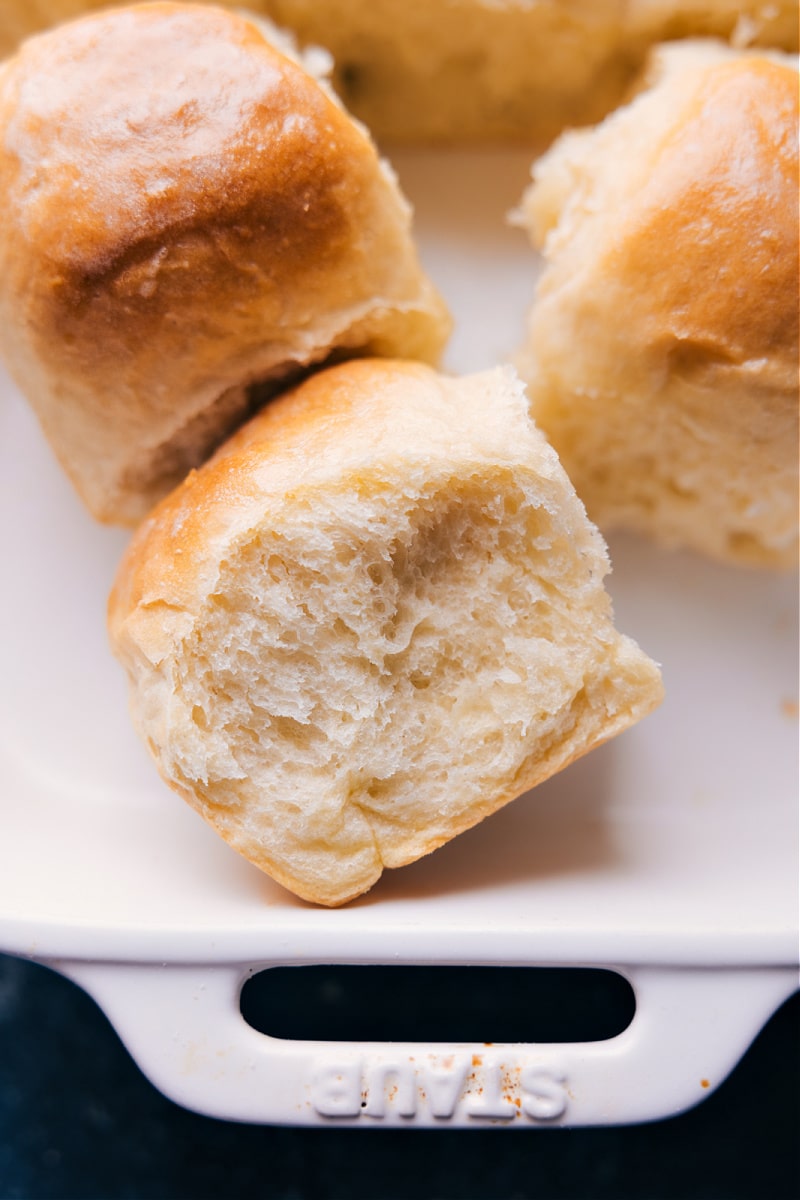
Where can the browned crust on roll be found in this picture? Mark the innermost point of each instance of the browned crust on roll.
(663, 351)
(186, 211)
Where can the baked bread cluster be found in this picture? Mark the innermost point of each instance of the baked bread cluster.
(464, 70)
(364, 605)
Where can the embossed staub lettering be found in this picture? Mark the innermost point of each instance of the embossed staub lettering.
(444, 1084)
(336, 1089)
(393, 1082)
(485, 1086)
(544, 1094)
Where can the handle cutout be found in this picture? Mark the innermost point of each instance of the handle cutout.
(347, 1003)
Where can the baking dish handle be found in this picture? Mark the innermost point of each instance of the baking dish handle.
(183, 1026)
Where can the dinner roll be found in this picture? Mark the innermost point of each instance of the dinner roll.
(373, 618)
(450, 70)
(186, 212)
(663, 340)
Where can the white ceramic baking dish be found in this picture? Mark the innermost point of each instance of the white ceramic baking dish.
(669, 855)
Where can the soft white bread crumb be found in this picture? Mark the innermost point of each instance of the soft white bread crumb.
(662, 356)
(374, 618)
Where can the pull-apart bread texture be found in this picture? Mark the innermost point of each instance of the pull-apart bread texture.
(186, 212)
(372, 619)
(662, 358)
(450, 70)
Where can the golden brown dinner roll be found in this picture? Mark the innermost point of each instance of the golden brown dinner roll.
(376, 616)
(186, 211)
(663, 351)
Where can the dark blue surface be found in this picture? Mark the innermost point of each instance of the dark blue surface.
(79, 1122)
